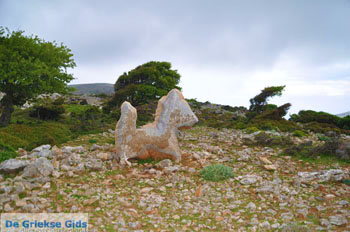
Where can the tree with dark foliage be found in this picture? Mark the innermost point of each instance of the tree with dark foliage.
(30, 66)
(145, 83)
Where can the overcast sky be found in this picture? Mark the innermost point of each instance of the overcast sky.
(225, 51)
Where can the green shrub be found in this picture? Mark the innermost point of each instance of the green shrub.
(321, 127)
(240, 125)
(12, 140)
(6, 152)
(322, 137)
(76, 108)
(299, 133)
(92, 140)
(251, 130)
(31, 136)
(307, 150)
(147, 161)
(216, 172)
(47, 112)
(306, 116)
(282, 125)
(265, 139)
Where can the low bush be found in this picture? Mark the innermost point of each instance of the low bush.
(330, 148)
(299, 133)
(307, 116)
(216, 172)
(322, 137)
(251, 130)
(265, 139)
(31, 136)
(47, 109)
(6, 152)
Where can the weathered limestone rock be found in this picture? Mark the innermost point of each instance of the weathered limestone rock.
(42, 151)
(158, 139)
(321, 176)
(13, 165)
(41, 167)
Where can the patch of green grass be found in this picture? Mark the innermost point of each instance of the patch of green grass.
(6, 152)
(251, 130)
(22, 195)
(113, 172)
(75, 108)
(346, 181)
(216, 172)
(92, 140)
(67, 191)
(79, 196)
(59, 197)
(31, 136)
(299, 133)
(323, 159)
(322, 137)
(147, 161)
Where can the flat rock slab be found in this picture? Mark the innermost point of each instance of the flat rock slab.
(13, 165)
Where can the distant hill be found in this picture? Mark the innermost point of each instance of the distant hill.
(344, 114)
(94, 88)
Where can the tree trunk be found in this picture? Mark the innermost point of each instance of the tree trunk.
(7, 109)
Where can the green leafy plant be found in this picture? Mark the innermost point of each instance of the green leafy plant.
(6, 152)
(92, 140)
(299, 133)
(216, 172)
(146, 82)
(259, 106)
(30, 66)
(322, 137)
(251, 130)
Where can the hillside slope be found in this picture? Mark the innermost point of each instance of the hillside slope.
(94, 88)
(344, 114)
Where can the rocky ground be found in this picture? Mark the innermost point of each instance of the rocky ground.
(269, 192)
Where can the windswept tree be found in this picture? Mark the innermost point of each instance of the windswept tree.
(30, 66)
(145, 83)
(259, 104)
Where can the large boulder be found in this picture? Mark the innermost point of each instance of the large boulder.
(158, 139)
(42, 151)
(41, 167)
(13, 165)
(321, 176)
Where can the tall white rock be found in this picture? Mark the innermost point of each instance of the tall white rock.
(158, 139)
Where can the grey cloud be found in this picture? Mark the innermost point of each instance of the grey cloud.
(236, 33)
(239, 36)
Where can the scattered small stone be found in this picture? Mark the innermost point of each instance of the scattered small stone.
(21, 203)
(104, 156)
(324, 222)
(265, 160)
(343, 202)
(251, 206)
(164, 163)
(270, 167)
(95, 147)
(249, 179)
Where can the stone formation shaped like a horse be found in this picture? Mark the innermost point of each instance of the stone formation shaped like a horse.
(155, 140)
